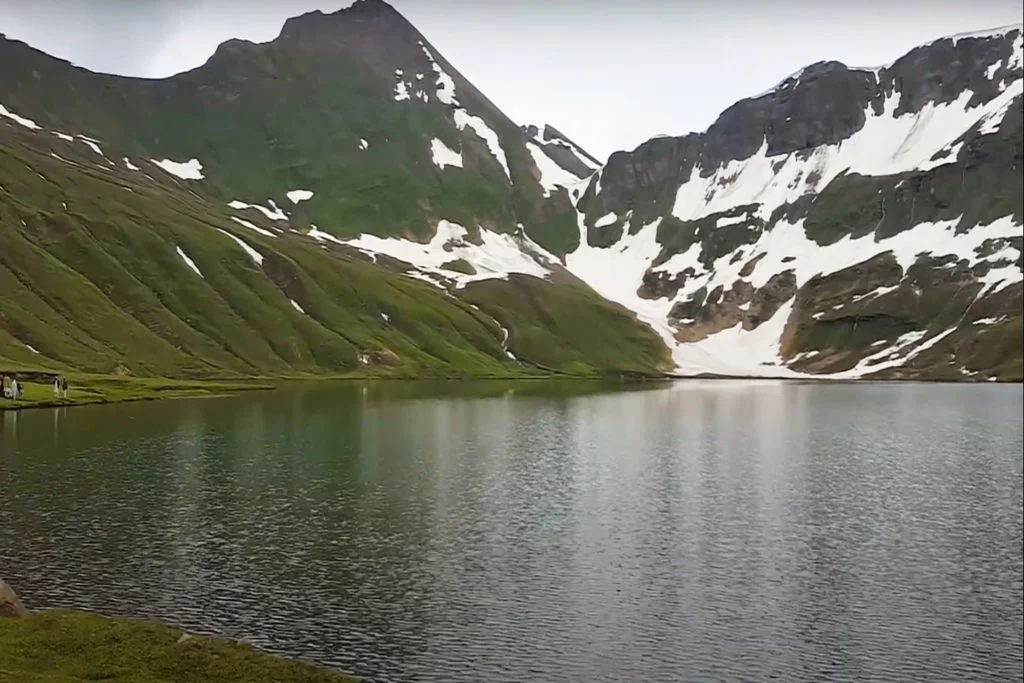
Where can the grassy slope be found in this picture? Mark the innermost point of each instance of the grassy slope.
(69, 647)
(90, 278)
(573, 330)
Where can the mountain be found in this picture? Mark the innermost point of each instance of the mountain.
(248, 218)
(357, 100)
(847, 223)
(342, 200)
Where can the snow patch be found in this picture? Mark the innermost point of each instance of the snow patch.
(435, 281)
(363, 144)
(989, 321)
(321, 236)
(30, 348)
(91, 144)
(256, 256)
(189, 262)
(504, 341)
(273, 213)
(905, 349)
(881, 291)
(985, 33)
(496, 257)
(464, 119)
(991, 122)
(735, 351)
(723, 221)
(251, 226)
(21, 120)
(617, 272)
(296, 196)
(63, 136)
(401, 90)
(189, 170)
(552, 176)
(130, 166)
(1017, 55)
(296, 306)
(443, 155)
(445, 83)
(885, 145)
(786, 247)
(583, 157)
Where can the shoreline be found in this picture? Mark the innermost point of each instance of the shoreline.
(110, 389)
(103, 390)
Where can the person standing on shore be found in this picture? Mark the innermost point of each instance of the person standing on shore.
(64, 386)
(56, 386)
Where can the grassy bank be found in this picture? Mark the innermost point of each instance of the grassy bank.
(87, 389)
(67, 647)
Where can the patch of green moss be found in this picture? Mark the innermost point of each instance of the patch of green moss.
(460, 266)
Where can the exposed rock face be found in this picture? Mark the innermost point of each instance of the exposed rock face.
(10, 605)
(564, 151)
(823, 104)
(878, 212)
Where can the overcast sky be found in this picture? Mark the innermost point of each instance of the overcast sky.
(609, 74)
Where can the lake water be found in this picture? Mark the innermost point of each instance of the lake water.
(695, 531)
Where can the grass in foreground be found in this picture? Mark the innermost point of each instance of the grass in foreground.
(69, 647)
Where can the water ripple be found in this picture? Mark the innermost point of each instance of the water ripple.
(695, 532)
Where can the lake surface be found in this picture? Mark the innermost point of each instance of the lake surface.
(695, 531)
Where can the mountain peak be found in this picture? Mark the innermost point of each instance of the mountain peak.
(363, 13)
(369, 32)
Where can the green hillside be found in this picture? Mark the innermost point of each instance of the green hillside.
(91, 280)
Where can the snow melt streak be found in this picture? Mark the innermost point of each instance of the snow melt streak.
(256, 256)
(552, 176)
(189, 262)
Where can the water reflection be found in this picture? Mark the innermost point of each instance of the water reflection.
(452, 531)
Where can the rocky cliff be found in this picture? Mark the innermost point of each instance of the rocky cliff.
(847, 223)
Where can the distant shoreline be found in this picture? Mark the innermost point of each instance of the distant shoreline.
(108, 389)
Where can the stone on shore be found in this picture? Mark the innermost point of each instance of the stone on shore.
(10, 605)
